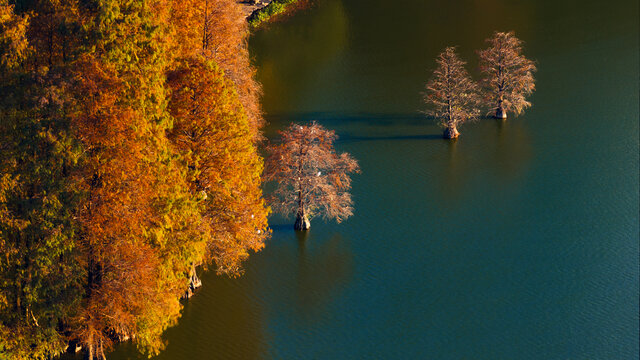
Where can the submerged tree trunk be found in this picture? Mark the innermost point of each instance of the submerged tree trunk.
(451, 132)
(95, 352)
(92, 352)
(500, 113)
(194, 283)
(89, 353)
(302, 221)
(101, 355)
(74, 346)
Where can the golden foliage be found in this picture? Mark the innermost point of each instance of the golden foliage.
(507, 75)
(213, 133)
(14, 45)
(150, 114)
(216, 29)
(312, 178)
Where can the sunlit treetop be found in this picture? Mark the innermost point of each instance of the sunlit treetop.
(507, 75)
(312, 178)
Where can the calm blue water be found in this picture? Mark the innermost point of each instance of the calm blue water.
(518, 241)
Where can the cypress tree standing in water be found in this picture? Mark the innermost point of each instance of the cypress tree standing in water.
(451, 94)
(507, 75)
(312, 179)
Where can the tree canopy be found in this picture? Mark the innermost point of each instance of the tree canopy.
(507, 75)
(312, 178)
(451, 94)
(128, 138)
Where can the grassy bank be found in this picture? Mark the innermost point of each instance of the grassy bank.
(274, 8)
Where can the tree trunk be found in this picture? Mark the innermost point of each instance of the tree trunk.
(302, 221)
(18, 302)
(73, 347)
(451, 132)
(500, 113)
(194, 283)
(101, 355)
(89, 354)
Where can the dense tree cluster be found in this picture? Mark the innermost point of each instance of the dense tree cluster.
(128, 137)
(507, 79)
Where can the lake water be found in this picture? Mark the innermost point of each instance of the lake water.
(518, 241)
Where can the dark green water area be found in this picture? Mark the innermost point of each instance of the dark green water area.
(518, 241)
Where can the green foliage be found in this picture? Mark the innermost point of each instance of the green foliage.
(40, 275)
(13, 41)
(274, 8)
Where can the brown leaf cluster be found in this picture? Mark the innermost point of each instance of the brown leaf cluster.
(507, 80)
(507, 74)
(311, 178)
(452, 94)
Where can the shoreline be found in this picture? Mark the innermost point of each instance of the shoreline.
(250, 6)
(257, 12)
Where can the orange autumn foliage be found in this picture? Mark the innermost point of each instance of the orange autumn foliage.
(160, 163)
(139, 228)
(121, 264)
(13, 41)
(213, 133)
(217, 30)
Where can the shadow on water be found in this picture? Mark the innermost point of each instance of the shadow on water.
(356, 127)
(331, 119)
(513, 150)
(351, 139)
(321, 271)
(281, 227)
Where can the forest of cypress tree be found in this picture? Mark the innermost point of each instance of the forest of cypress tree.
(128, 135)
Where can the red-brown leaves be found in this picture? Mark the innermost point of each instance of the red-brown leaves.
(451, 93)
(215, 106)
(152, 200)
(312, 178)
(217, 30)
(507, 74)
(213, 134)
(119, 178)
